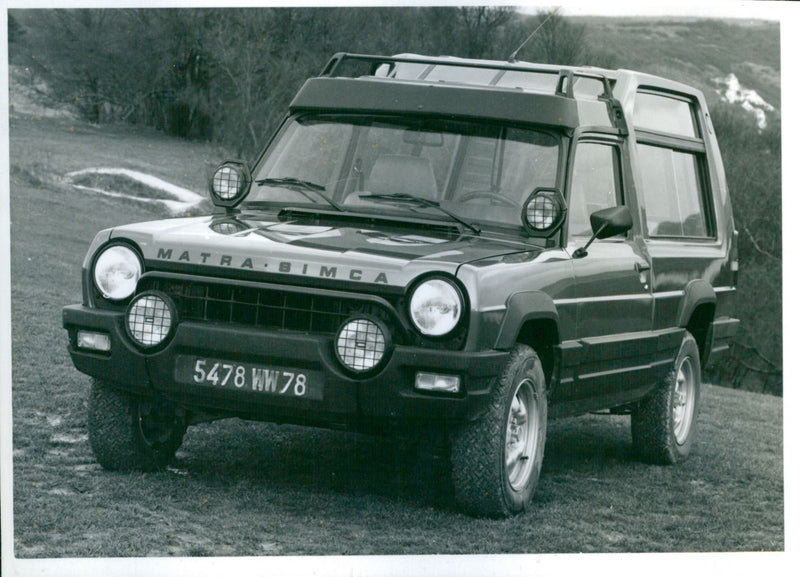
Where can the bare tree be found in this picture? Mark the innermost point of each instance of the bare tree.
(229, 73)
(556, 41)
(480, 26)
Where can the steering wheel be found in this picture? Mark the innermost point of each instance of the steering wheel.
(496, 196)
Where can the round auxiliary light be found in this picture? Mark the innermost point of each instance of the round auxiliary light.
(230, 184)
(361, 344)
(116, 271)
(150, 319)
(436, 307)
(543, 212)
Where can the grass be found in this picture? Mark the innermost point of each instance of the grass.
(240, 488)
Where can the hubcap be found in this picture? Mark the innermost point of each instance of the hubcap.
(683, 401)
(522, 430)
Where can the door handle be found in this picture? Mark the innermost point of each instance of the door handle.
(642, 269)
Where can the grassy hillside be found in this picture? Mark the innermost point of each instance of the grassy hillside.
(694, 51)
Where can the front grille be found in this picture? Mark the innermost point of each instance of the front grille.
(273, 307)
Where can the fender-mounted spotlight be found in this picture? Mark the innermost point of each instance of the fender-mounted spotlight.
(230, 184)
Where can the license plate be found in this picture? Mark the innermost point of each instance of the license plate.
(268, 380)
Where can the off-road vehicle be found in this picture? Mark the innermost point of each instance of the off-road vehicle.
(466, 248)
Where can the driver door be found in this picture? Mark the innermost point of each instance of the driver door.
(612, 294)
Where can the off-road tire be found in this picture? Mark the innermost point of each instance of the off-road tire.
(482, 481)
(132, 433)
(658, 435)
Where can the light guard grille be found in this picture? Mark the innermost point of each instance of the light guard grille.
(149, 319)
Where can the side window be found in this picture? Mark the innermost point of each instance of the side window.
(672, 166)
(664, 114)
(595, 184)
(672, 188)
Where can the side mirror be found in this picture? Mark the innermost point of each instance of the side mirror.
(611, 221)
(605, 224)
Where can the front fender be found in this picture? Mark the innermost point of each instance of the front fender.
(521, 308)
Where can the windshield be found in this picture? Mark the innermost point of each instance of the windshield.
(475, 172)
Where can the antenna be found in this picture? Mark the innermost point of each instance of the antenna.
(513, 57)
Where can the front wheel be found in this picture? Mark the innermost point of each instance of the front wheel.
(663, 424)
(132, 433)
(496, 460)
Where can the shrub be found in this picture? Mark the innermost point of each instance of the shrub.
(752, 160)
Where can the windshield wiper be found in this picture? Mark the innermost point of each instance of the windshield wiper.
(300, 186)
(421, 202)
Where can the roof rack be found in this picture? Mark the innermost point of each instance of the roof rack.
(563, 88)
(565, 85)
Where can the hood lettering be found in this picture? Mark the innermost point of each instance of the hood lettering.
(281, 266)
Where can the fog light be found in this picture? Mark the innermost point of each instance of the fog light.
(150, 318)
(361, 344)
(438, 383)
(227, 182)
(543, 212)
(230, 184)
(94, 341)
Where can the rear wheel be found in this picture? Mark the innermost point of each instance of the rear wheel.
(496, 460)
(128, 432)
(663, 424)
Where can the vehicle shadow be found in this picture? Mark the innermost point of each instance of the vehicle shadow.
(267, 457)
(587, 443)
(286, 458)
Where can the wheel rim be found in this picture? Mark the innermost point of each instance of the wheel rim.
(683, 400)
(522, 430)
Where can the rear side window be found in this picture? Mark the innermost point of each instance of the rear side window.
(673, 166)
(672, 184)
(663, 113)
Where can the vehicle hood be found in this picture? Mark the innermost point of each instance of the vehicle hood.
(380, 254)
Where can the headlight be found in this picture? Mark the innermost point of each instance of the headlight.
(436, 307)
(116, 272)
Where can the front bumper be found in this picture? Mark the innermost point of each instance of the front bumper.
(387, 399)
